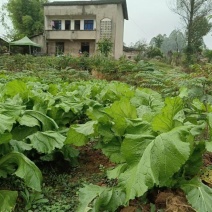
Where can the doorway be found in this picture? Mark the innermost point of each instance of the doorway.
(59, 48)
(85, 48)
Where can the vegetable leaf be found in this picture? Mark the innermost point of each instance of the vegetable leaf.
(100, 198)
(134, 146)
(164, 121)
(47, 123)
(87, 194)
(119, 111)
(16, 87)
(77, 134)
(6, 123)
(198, 194)
(7, 200)
(46, 142)
(110, 199)
(163, 157)
(26, 170)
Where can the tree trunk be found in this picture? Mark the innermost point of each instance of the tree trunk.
(189, 50)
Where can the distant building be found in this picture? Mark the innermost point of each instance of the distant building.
(130, 52)
(3, 46)
(76, 26)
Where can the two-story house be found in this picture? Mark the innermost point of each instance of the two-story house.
(72, 27)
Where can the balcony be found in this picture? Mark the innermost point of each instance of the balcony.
(71, 35)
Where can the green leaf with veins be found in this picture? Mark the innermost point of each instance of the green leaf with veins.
(75, 138)
(20, 146)
(115, 173)
(5, 138)
(29, 121)
(15, 87)
(6, 123)
(149, 98)
(119, 112)
(161, 159)
(7, 200)
(134, 146)
(112, 150)
(11, 110)
(78, 134)
(87, 128)
(26, 169)
(198, 195)
(87, 194)
(164, 121)
(46, 142)
(46, 122)
(99, 198)
(19, 133)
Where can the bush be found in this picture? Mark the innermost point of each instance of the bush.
(105, 46)
(103, 64)
(153, 52)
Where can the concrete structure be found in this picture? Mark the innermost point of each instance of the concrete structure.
(72, 27)
(3, 46)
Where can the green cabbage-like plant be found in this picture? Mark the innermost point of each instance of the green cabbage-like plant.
(158, 151)
(18, 164)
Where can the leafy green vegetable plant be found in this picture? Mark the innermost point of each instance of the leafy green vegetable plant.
(150, 152)
(154, 142)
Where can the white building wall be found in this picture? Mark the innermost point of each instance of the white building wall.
(81, 24)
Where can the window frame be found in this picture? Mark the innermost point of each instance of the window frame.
(68, 23)
(88, 24)
(57, 23)
(77, 24)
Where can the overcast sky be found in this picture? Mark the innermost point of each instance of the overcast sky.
(148, 18)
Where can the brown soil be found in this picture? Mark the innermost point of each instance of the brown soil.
(91, 160)
(173, 201)
(207, 159)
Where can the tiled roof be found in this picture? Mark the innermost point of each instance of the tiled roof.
(98, 2)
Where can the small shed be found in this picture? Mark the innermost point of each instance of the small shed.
(3, 45)
(25, 42)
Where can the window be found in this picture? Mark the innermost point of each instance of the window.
(106, 28)
(88, 25)
(67, 24)
(77, 24)
(56, 24)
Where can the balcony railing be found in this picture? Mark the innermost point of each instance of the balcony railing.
(71, 35)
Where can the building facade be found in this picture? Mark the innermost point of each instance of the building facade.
(75, 27)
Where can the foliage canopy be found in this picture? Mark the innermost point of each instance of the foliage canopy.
(194, 15)
(26, 16)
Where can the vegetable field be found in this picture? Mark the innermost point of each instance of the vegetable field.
(148, 139)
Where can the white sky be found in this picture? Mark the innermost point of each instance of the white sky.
(147, 19)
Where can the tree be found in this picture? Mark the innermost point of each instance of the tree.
(157, 41)
(175, 42)
(153, 52)
(194, 14)
(105, 46)
(26, 16)
(208, 55)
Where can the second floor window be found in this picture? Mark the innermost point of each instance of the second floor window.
(77, 25)
(67, 24)
(88, 25)
(56, 24)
